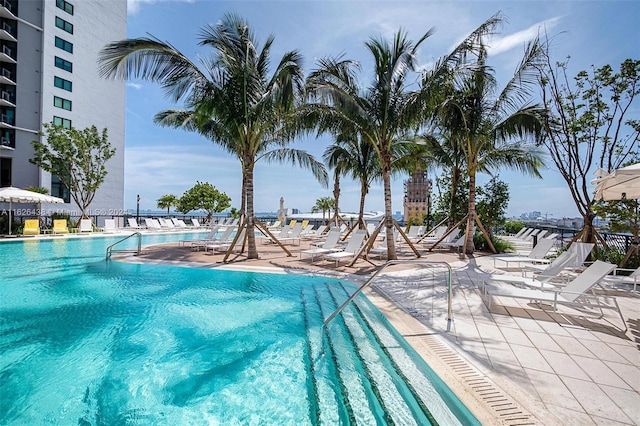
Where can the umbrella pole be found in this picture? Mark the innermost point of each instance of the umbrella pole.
(10, 203)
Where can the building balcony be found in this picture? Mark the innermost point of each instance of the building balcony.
(7, 99)
(7, 121)
(7, 32)
(7, 9)
(7, 54)
(6, 77)
(7, 143)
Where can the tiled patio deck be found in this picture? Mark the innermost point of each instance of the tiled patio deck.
(516, 364)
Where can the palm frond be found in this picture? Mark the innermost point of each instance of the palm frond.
(300, 158)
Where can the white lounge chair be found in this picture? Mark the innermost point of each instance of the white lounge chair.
(110, 226)
(133, 223)
(573, 294)
(329, 245)
(352, 248)
(195, 223)
(537, 254)
(540, 280)
(224, 245)
(85, 225)
(222, 239)
(632, 279)
(580, 252)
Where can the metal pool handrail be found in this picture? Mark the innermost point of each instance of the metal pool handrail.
(137, 252)
(400, 262)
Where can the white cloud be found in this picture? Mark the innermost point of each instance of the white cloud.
(136, 86)
(503, 44)
(134, 6)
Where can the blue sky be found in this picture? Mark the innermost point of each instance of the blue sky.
(165, 161)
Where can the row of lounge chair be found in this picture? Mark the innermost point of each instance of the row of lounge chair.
(60, 226)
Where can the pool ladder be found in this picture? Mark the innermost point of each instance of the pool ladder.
(110, 249)
(400, 262)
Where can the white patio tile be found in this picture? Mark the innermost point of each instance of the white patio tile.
(516, 336)
(628, 401)
(603, 352)
(553, 391)
(599, 372)
(543, 341)
(564, 365)
(594, 400)
(629, 351)
(571, 345)
(629, 373)
(571, 417)
(530, 358)
(501, 354)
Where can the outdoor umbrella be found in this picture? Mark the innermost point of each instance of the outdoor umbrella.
(620, 183)
(16, 195)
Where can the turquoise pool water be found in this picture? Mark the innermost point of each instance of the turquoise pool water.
(89, 342)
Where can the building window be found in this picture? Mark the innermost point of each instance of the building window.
(65, 5)
(64, 45)
(64, 122)
(62, 103)
(59, 189)
(64, 65)
(64, 25)
(63, 84)
(5, 172)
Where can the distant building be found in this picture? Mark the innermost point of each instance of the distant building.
(48, 73)
(417, 195)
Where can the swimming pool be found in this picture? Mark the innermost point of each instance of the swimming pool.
(88, 342)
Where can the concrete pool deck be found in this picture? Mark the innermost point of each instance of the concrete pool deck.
(516, 364)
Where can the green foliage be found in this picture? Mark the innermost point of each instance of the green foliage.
(493, 199)
(513, 226)
(443, 206)
(323, 204)
(499, 244)
(203, 196)
(615, 256)
(235, 213)
(38, 189)
(589, 123)
(76, 157)
(167, 201)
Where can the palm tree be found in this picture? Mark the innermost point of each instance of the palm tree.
(323, 204)
(234, 100)
(167, 201)
(385, 112)
(491, 129)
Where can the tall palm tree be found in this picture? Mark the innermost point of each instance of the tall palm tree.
(234, 96)
(492, 129)
(386, 111)
(167, 201)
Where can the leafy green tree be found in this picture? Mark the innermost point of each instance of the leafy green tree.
(167, 201)
(494, 129)
(323, 204)
(591, 122)
(493, 200)
(233, 101)
(451, 202)
(77, 158)
(203, 196)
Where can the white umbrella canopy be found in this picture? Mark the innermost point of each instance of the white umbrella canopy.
(621, 183)
(12, 195)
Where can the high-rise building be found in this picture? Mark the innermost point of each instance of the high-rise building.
(417, 195)
(49, 73)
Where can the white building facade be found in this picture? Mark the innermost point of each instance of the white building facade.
(49, 73)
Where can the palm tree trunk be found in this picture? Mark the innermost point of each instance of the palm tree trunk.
(252, 251)
(336, 195)
(388, 213)
(455, 177)
(471, 219)
(363, 194)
